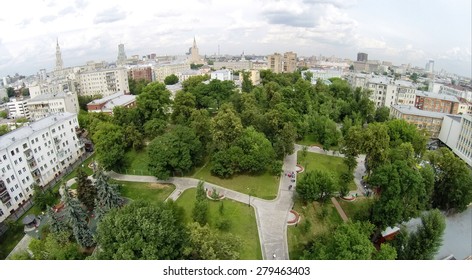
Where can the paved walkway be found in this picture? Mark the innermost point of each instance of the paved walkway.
(339, 209)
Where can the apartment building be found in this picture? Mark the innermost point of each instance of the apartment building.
(161, 71)
(254, 76)
(141, 73)
(436, 102)
(286, 63)
(44, 105)
(323, 73)
(104, 82)
(275, 62)
(456, 133)
(222, 75)
(430, 121)
(383, 91)
(36, 154)
(233, 65)
(289, 62)
(18, 108)
(406, 93)
(456, 91)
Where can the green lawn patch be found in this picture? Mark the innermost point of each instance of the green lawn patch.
(310, 140)
(152, 192)
(87, 169)
(263, 186)
(357, 210)
(241, 217)
(325, 163)
(135, 163)
(314, 221)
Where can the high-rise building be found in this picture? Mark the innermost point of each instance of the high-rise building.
(36, 154)
(121, 60)
(104, 82)
(59, 63)
(456, 133)
(362, 57)
(141, 73)
(46, 104)
(290, 62)
(274, 62)
(429, 68)
(193, 52)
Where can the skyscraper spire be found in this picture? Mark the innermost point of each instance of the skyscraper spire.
(194, 42)
(58, 56)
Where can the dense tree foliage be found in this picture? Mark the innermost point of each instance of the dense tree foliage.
(108, 196)
(154, 101)
(86, 191)
(142, 231)
(452, 181)
(176, 151)
(172, 79)
(55, 246)
(109, 144)
(316, 185)
(425, 241)
(43, 198)
(136, 86)
(200, 209)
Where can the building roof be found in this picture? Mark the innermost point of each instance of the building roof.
(380, 80)
(405, 83)
(105, 99)
(222, 71)
(412, 110)
(49, 96)
(436, 95)
(119, 101)
(27, 130)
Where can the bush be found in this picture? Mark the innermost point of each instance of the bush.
(223, 224)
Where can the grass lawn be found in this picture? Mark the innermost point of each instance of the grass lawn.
(135, 163)
(357, 210)
(242, 218)
(151, 192)
(263, 186)
(299, 236)
(88, 170)
(325, 163)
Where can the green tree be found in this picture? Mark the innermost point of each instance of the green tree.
(109, 144)
(400, 132)
(43, 198)
(77, 219)
(208, 244)
(154, 128)
(86, 191)
(246, 85)
(200, 209)
(257, 151)
(11, 92)
(424, 243)
(349, 241)
(452, 183)
(200, 121)
(226, 127)
(108, 196)
(172, 79)
(375, 145)
(56, 221)
(136, 87)
(175, 151)
(382, 114)
(55, 246)
(154, 101)
(3, 115)
(142, 231)
(184, 105)
(402, 194)
(134, 138)
(316, 185)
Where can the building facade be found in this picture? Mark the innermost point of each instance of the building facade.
(430, 121)
(44, 105)
(36, 154)
(18, 109)
(289, 62)
(436, 102)
(161, 71)
(141, 73)
(194, 56)
(456, 133)
(104, 82)
(274, 62)
(363, 57)
(383, 91)
(222, 75)
(254, 76)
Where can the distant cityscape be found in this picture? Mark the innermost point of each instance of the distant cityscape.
(439, 102)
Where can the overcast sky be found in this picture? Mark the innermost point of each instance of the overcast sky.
(400, 31)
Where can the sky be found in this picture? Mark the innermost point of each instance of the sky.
(399, 31)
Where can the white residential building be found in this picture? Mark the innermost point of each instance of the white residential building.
(456, 133)
(233, 65)
(18, 109)
(323, 73)
(108, 103)
(456, 91)
(104, 82)
(222, 75)
(405, 92)
(161, 71)
(384, 91)
(35, 154)
(47, 104)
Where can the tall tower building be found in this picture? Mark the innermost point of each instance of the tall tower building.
(59, 63)
(121, 60)
(194, 56)
(430, 66)
(362, 57)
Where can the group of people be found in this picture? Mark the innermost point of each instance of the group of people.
(291, 175)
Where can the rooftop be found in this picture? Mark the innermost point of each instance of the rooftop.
(119, 101)
(45, 97)
(27, 130)
(105, 99)
(412, 110)
(436, 95)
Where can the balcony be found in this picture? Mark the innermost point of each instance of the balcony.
(3, 187)
(57, 140)
(5, 196)
(81, 144)
(61, 154)
(29, 155)
(36, 174)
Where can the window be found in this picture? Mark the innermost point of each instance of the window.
(16, 198)
(12, 190)
(16, 162)
(21, 195)
(27, 178)
(20, 159)
(1, 213)
(4, 157)
(12, 153)
(27, 189)
(16, 186)
(17, 150)
(8, 204)
(25, 146)
(19, 172)
(23, 181)
(8, 180)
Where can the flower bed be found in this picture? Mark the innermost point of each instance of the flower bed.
(348, 198)
(209, 195)
(300, 169)
(293, 217)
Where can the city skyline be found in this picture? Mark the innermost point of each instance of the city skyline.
(397, 31)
